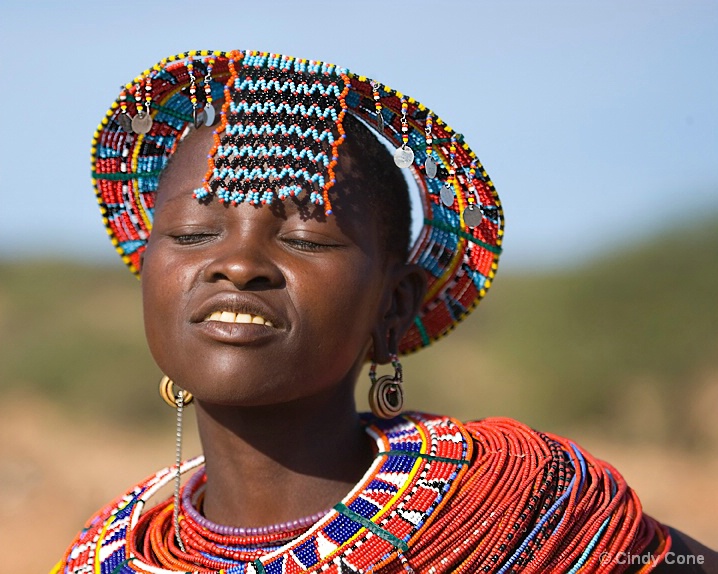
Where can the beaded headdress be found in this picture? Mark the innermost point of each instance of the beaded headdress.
(295, 108)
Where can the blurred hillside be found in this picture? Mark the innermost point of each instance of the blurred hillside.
(620, 354)
(627, 345)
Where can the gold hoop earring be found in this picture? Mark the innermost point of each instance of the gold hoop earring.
(167, 392)
(386, 394)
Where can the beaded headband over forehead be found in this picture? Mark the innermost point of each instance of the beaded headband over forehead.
(277, 135)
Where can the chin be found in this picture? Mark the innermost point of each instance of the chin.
(245, 388)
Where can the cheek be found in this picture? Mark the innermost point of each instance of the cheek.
(344, 307)
(164, 288)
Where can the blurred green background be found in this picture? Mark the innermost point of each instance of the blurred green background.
(620, 353)
(626, 344)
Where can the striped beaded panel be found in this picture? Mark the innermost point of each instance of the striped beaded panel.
(278, 135)
(280, 130)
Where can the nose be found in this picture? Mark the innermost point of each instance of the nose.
(246, 263)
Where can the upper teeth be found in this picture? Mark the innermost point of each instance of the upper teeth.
(229, 317)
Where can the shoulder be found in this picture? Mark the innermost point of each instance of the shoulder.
(687, 555)
(516, 439)
(101, 537)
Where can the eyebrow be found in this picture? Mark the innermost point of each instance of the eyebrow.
(182, 196)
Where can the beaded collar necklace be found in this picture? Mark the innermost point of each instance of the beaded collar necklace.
(420, 462)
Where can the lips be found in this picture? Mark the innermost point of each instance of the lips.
(238, 319)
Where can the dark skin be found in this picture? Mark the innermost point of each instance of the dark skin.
(275, 402)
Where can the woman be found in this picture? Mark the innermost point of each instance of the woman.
(278, 262)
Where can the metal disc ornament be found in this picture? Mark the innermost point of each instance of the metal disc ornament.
(473, 215)
(142, 123)
(447, 195)
(430, 166)
(125, 122)
(404, 156)
(209, 114)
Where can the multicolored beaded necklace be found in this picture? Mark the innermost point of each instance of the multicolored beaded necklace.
(489, 496)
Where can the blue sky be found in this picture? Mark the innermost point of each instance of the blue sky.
(597, 121)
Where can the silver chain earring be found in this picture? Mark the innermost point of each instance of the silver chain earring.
(177, 400)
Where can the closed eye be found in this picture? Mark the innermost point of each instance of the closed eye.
(305, 245)
(193, 238)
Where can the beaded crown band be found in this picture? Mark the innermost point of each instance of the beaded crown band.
(277, 135)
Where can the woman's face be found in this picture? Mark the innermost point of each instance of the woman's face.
(252, 306)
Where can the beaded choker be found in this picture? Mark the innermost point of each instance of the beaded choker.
(193, 493)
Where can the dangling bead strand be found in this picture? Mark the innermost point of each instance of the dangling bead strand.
(193, 92)
(473, 213)
(430, 163)
(142, 122)
(404, 155)
(148, 94)
(447, 192)
(210, 114)
(138, 98)
(124, 118)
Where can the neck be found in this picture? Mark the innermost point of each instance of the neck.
(278, 463)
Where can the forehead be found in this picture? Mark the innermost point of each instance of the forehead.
(353, 211)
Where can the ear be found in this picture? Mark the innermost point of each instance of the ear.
(404, 300)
